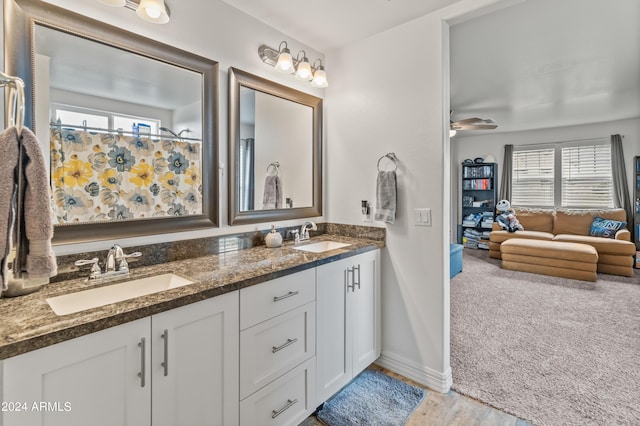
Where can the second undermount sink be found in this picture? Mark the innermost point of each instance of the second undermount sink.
(321, 246)
(101, 296)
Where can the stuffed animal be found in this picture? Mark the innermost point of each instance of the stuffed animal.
(507, 218)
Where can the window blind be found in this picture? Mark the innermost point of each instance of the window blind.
(533, 178)
(586, 176)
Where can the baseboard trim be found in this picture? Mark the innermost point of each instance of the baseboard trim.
(436, 380)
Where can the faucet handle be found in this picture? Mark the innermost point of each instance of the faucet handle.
(95, 269)
(124, 265)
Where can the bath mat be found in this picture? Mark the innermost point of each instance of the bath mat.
(372, 399)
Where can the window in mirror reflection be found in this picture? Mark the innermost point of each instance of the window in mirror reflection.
(275, 152)
(121, 144)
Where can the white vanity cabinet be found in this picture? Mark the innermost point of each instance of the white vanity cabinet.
(194, 363)
(179, 367)
(100, 379)
(348, 318)
(277, 350)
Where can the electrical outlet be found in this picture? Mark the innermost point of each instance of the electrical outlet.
(422, 217)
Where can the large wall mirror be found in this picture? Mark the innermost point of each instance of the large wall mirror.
(275, 151)
(128, 125)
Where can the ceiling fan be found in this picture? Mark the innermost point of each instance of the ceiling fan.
(472, 123)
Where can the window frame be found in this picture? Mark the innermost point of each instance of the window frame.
(557, 169)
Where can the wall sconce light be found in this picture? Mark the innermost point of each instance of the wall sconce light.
(155, 11)
(282, 60)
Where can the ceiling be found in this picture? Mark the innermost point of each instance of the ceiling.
(335, 23)
(548, 63)
(536, 64)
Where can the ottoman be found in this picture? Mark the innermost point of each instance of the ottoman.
(455, 260)
(555, 258)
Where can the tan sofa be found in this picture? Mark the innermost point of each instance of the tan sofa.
(615, 256)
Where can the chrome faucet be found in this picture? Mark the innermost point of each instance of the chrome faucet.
(115, 264)
(304, 231)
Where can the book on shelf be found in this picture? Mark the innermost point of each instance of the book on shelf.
(471, 184)
(478, 171)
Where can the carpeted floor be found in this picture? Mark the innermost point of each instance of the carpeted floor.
(549, 350)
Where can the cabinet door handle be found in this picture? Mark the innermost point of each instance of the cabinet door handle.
(354, 281)
(284, 345)
(142, 344)
(165, 363)
(291, 293)
(288, 405)
(346, 278)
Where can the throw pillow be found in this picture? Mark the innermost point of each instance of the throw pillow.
(606, 228)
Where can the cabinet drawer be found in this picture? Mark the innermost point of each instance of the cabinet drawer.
(271, 348)
(286, 401)
(263, 301)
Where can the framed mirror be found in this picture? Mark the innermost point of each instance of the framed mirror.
(275, 151)
(128, 125)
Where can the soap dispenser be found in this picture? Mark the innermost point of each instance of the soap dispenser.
(273, 238)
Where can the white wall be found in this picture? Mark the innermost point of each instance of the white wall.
(478, 145)
(213, 29)
(283, 134)
(374, 107)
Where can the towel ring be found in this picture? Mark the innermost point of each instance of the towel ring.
(276, 168)
(391, 156)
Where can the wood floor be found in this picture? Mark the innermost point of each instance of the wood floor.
(451, 408)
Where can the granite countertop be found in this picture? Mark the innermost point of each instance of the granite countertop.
(28, 323)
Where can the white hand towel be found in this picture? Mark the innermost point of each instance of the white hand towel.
(386, 195)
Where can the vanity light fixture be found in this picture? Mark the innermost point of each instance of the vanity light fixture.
(282, 60)
(285, 61)
(155, 11)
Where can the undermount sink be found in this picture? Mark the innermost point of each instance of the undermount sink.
(96, 297)
(321, 246)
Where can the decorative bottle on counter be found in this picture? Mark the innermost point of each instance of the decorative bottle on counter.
(273, 239)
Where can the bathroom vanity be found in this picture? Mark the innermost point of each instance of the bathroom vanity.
(262, 336)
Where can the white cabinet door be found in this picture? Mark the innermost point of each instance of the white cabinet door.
(98, 379)
(195, 363)
(333, 361)
(364, 304)
(348, 320)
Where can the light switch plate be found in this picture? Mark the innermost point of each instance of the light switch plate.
(422, 217)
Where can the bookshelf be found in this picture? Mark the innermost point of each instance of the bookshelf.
(479, 197)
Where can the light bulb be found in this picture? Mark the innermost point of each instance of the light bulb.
(153, 11)
(285, 62)
(304, 70)
(452, 133)
(320, 78)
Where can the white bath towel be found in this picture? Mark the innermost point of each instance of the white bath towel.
(386, 195)
(272, 197)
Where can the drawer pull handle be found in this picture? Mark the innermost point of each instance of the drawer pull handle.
(288, 405)
(291, 293)
(143, 368)
(284, 345)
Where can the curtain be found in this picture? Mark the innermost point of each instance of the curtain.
(621, 197)
(247, 174)
(507, 166)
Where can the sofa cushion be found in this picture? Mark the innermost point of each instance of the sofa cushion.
(500, 236)
(535, 219)
(551, 250)
(578, 222)
(602, 245)
(605, 228)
